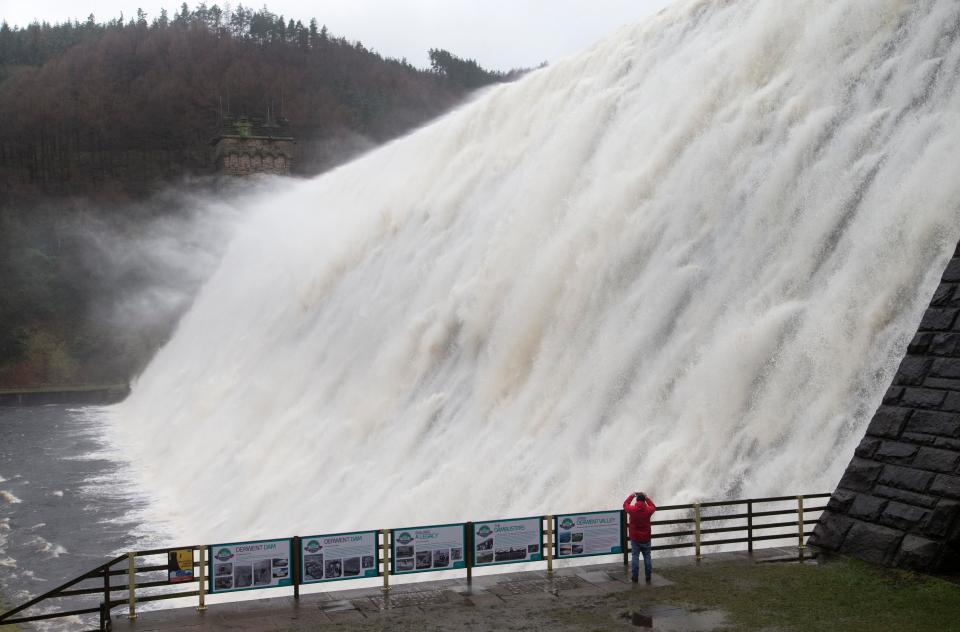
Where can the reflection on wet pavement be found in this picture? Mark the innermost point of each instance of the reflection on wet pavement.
(672, 619)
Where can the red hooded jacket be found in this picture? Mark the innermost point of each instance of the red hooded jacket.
(639, 514)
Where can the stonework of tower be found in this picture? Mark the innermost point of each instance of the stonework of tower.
(247, 146)
(898, 503)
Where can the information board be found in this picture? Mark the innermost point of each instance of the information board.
(420, 549)
(328, 558)
(507, 541)
(250, 565)
(180, 566)
(593, 533)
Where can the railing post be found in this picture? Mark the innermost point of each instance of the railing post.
(105, 624)
(202, 592)
(750, 526)
(623, 537)
(468, 554)
(550, 522)
(800, 526)
(295, 553)
(696, 529)
(386, 560)
(132, 585)
(106, 586)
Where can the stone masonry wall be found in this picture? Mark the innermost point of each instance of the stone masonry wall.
(898, 502)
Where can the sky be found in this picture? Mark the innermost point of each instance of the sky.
(499, 34)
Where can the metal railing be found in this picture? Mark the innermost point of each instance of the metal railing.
(695, 526)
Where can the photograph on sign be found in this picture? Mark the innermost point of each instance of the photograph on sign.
(338, 556)
(595, 533)
(180, 566)
(507, 541)
(250, 565)
(419, 549)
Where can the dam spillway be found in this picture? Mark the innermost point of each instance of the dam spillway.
(688, 259)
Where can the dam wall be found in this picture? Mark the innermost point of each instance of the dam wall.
(899, 499)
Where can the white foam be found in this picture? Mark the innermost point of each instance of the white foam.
(687, 260)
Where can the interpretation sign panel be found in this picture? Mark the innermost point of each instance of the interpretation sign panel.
(507, 541)
(250, 565)
(328, 558)
(180, 566)
(420, 549)
(593, 533)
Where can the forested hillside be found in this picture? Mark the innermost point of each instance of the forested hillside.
(104, 126)
(121, 105)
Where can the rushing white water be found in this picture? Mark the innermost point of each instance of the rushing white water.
(687, 260)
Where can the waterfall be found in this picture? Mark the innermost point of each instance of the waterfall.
(687, 260)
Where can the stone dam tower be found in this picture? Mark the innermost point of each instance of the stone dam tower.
(245, 146)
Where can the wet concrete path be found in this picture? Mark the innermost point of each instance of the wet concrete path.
(490, 602)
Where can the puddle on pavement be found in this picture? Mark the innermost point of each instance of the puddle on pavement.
(677, 620)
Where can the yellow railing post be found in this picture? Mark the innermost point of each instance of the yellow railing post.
(550, 522)
(800, 546)
(696, 529)
(386, 559)
(202, 592)
(132, 585)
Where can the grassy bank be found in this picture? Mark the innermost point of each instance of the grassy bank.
(838, 595)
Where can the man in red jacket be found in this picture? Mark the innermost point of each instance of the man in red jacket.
(639, 508)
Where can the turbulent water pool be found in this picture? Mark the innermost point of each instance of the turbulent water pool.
(66, 502)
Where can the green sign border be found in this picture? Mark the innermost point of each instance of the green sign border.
(283, 582)
(540, 557)
(376, 557)
(616, 550)
(463, 539)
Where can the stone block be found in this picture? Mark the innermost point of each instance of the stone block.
(892, 396)
(871, 542)
(936, 460)
(922, 398)
(918, 553)
(830, 531)
(888, 421)
(946, 485)
(940, 518)
(952, 273)
(867, 507)
(945, 367)
(868, 445)
(903, 517)
(952, 403)
(943, 294)
(919, 439)
(913, 498)
(895, 452)
(947, 443)
(912, 370)
(860, 475)
(944, 344)
(840, 500)
(942, 383)
(905, 478)
(938, 319)
(936, 423)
